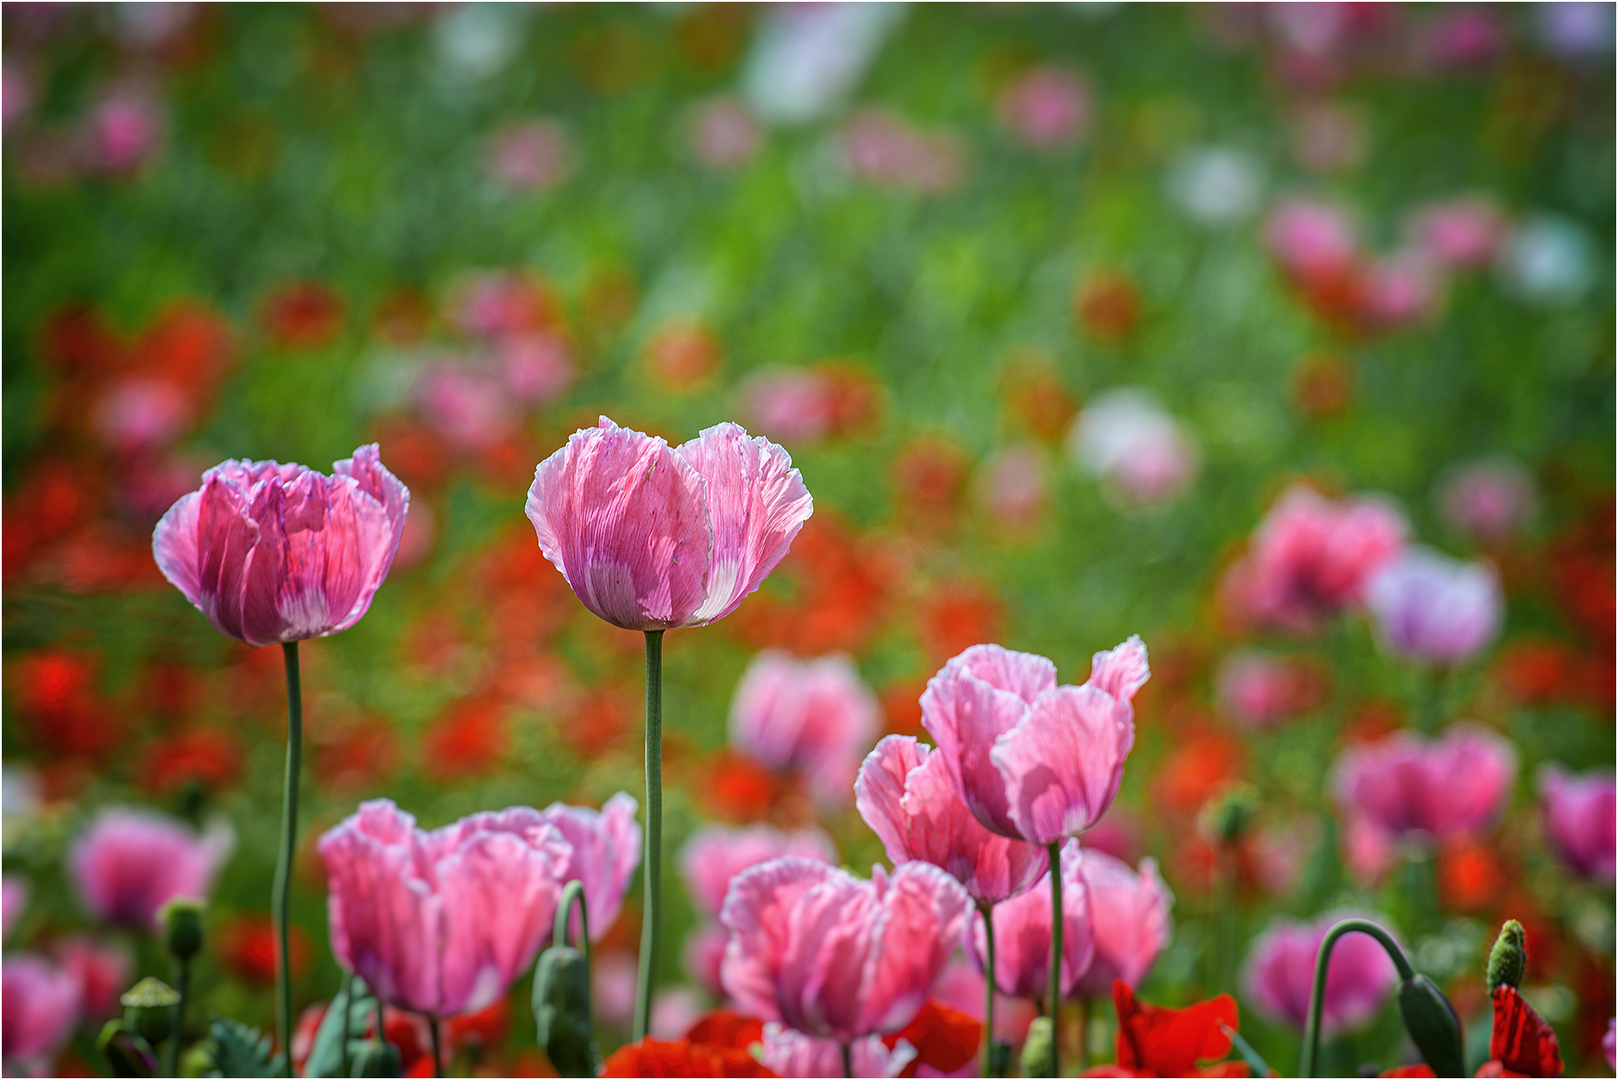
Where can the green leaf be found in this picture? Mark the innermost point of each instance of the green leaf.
(562, 1010)
(326, 1056)
(367, 1057)
(1257, 1064)
(240, 1050)
(1039, 1049)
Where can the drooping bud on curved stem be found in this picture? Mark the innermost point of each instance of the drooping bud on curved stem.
(1509, 957)
(1427, 1014)
(561, 998)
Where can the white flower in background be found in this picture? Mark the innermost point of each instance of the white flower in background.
(1548, 261)
(1215, 185)
(477, 41)
(1576, 29)
(807, 58)
(1125, 438)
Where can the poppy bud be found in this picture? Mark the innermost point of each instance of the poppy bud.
(127, 1054)
(149, 1008)
(182, 927)
(1509, 957)
(1039, 1050)
(562, 1010)
(1430, 1019)
(1230, 815)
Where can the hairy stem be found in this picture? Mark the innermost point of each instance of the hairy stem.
(280, 902)
(1056, 957)
(988, 991)
(652, 871)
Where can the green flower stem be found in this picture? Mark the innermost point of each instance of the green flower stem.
(652, 871)
(988, 991)
(848, 1059)
(1317, 997)
(348, 1015)
(283, 863)
(1056, 957)
(574, 891)
(179, 1017)
(438, 1054)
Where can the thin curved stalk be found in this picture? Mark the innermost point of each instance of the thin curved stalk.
(988, 991)
(652, 872)
(1317, 996)
(289, 842)
(1057, 926)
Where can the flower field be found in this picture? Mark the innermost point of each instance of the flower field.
(788, 499)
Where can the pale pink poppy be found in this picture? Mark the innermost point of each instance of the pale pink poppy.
(881, 148)
(13, 902)
(139, 413)
(813, 716)
(1311, 240)
(500, 304)
(715, 854)
(612, 988)
(1463, 39)
(1399, 290)
(1046, 107)
(1488, 501)
(905, 795)
(822, 951)
(652, 537)
(961, 988)
(124, 128)
(1126, 439)
(1022, 934)
(1468, 231)
(674, 1010)
(39, 1007)
(1281, 968)
(442, 922)
(606, 847)
(532, 155)
(790, 1053)
(1013, 487)
(468, 402)
(723, 134)
(1260, 690)
(1578, 814)
(276, 553)
(1432, 608)
(129, 863)
(537, 366)
(704, 956)
(1311, 557)
(1031, 759)
(1129, 919)
(1407, 789)
(792, 404)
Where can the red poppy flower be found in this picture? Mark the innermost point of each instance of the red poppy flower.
(1408, 1070)
(724, 1027)
(828, 594)
(1157, 1041)
(1204, 763)
(57, 697)
(1521, 1043)
(654, 1057)
(303, 315)
(469, 739)
(206, 756)
(959, 615)
(247, 949)
(1470, 875)
(945, 1040)
(1107, 306)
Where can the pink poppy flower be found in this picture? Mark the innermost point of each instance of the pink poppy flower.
(1468, 38)
(129, 863)
(1577, 813)
(124, 130)
(141, 413)
(612, 988)
(1046, 107)
(1311, 241)
(715, 854)
(1432, 608)
(961, 988)
(1260, 690)
(704, 956)
(1022, 934)
(13, 901)
(1281, 970)
(1311, 558)
(1013, 487)
(1033, 760)
(905, 795)
(1463, 232)
(533, 155)
(277, 553)
(468, 402)
(790, 1053)
(442, 922)
(822, 951)
(1125, 438)
(884, 149)
(652, 537)
(815, 716)
(537, 367)
(1609, 1044)
(1405, 788)
(1129, 917)
(1488, 501)
(606, 847)
(723, 134)
(102, 970)
(1398, 290)
(39, 1006)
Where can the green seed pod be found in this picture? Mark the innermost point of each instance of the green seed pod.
(126, 1053)
(182, 927)
(1230, 815)
(149, 1008)
(562, 1010)
(1039, 1051)
(1509, 957)
(1430, 1019)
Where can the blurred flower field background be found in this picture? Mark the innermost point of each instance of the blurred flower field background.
(1281, 336)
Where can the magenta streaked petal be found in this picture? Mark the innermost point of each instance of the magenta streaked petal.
(1062, 764)
(624, 518)
(1129, 912)
(756, 504)
(924, 912)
